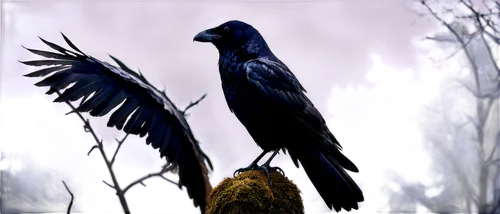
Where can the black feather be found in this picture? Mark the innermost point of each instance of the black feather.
(113, 101)
(99, 97)
(145, 127)
(57, 47)
(154, 120)
(71, 44)
(156, 139)
(207, 159)
(121, 64)
(119, 116)
(46, 62)
(64, 82)
(78, 90)
(49, 54)
(55, 78)
(168, 138)
(46, 71)
(149, 138)
(135, 120)
(175, 147)
(135, 126)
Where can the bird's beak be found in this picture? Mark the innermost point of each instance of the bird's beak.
(206, 36)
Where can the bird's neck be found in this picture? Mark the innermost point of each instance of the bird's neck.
(244, 53)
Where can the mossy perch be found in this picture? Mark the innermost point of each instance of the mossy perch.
(250, 192)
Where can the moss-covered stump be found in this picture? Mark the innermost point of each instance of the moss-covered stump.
(250, 192)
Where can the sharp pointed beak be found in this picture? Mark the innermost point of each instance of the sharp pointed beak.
(206, 36)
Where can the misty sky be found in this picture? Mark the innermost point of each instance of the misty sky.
(364, 65)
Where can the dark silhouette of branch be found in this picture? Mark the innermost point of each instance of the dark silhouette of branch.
(438, 39)
(461, 42)
(487, 17)
(157, 174)
(108, 184)
(477, 17)
(91, 149)
(120, 142)
(191, 104)
(473, 35)
(109, 163)
(71, 201)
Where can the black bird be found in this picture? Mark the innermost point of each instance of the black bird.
(271, 103)
(149, 111)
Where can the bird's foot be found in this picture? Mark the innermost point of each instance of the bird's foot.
(266, 168)
(252, 166)
(275, 168)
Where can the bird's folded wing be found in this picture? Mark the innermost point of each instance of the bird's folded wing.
(276, 83)
(273, 80)
(143, 110)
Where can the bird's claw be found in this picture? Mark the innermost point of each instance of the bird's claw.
(241, 170)
(279, 170)
(266, 168)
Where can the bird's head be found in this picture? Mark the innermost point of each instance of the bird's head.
(232, 35)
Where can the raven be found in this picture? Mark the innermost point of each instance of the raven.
(270, 102)
(149, 111)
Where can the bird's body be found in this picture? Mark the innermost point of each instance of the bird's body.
(241, 102)
(271, 103)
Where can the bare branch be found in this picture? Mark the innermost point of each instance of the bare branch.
(108, 184)
(473, 35)
(478, 19)
(439, 39)
(142, 179)
(191, 104)
(92, 149)
(120, 142)
(460, 40)
(88, 128)
(71, 201)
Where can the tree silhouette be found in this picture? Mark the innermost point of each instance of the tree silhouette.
(460, 125)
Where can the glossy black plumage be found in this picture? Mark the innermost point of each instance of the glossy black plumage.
(145, 109)
(271, 103)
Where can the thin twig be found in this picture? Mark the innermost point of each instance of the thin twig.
(72, 197)
(191, 104)
(108, 184)
(142, 179)
(91, 149)
(120, 142)
(437, 39)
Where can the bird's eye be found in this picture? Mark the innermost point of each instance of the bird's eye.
(226, 29)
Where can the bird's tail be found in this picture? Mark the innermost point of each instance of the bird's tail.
(335, 186)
